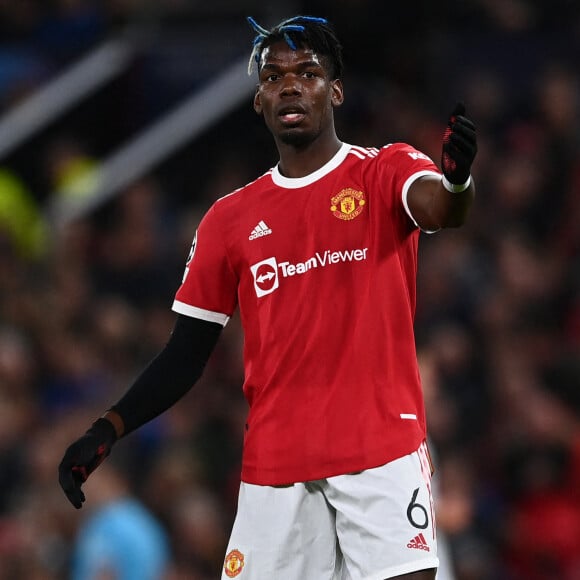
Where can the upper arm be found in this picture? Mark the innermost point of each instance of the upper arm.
(415, 177)
(210, 284)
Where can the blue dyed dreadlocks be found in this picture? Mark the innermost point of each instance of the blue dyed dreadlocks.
(299, 31)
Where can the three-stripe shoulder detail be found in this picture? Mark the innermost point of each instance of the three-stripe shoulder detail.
(363, 152)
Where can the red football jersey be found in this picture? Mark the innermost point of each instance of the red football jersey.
(323, 269)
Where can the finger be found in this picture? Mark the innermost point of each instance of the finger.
(71, 485)
(70, 477)
(462, 121)
(460, 143)
(458, 110)
(76, 497)
(65, 475)
(464, 132)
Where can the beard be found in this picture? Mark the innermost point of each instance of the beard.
(297, 138)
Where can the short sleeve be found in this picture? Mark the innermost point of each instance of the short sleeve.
(404, 165)
(209, 287)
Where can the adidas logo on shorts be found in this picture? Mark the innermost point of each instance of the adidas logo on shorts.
(419, 543)
(260, 230)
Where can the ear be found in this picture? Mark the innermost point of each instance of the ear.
(257, 101)
(337, 95)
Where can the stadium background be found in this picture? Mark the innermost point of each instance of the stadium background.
(85, 297)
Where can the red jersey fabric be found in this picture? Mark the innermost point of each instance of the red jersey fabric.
(323, 269)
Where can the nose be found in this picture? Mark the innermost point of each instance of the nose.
(290, 85)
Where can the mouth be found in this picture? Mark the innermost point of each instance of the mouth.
(291, 115)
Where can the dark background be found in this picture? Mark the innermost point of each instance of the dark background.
(84, 306)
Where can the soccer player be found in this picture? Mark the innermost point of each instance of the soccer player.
(320, 256)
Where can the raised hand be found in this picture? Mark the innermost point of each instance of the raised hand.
(459, 149)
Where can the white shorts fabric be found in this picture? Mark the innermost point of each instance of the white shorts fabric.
(375, 524)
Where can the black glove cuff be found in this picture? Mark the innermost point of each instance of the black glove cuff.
(103, 430)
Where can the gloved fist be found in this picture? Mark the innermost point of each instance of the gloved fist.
(459, 147)
(83, 457)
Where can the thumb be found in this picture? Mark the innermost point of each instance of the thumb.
(458, 110)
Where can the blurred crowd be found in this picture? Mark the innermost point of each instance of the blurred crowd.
(83, 307)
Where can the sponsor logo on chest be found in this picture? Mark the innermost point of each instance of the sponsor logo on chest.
(268, 273)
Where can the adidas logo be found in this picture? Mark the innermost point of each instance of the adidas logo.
(419, 543)
(260, 230)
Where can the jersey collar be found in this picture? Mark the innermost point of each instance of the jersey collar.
(296, 182)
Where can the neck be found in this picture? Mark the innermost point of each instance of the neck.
(298, 161)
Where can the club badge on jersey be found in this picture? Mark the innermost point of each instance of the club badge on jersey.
(347, 204)
(234, 563)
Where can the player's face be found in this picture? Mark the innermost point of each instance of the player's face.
(295, 94)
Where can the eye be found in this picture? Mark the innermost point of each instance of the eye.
(309, 74)
(272, 77)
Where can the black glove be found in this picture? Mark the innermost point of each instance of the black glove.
(83, 457)
(459, 146)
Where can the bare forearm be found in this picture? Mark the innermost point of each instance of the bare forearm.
(450, 209)
(434, 207)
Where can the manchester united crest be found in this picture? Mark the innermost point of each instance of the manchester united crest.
(234, 563)
(347, 204)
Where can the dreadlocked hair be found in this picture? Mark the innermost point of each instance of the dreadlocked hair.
(298, 32)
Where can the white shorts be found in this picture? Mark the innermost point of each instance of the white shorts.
(371, 525)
